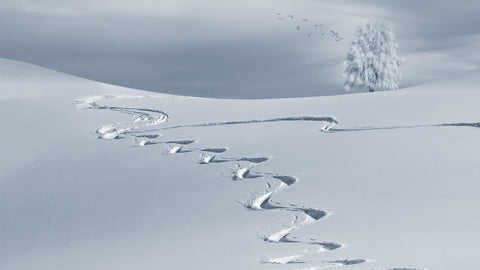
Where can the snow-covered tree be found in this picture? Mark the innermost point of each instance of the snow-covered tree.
(372, 62)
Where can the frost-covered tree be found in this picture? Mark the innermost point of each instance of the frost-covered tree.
(372, 62)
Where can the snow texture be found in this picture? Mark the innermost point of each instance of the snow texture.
(109, 184)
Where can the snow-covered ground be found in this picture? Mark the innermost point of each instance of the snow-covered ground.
(95, 176)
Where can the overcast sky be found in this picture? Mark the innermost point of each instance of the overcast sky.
(232, 48)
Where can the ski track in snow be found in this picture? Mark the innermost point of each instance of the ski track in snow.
(211, 158)
(140, 129)
(286, 260)
(475, 125)
(330, 121)
(334, 130)
(142, 118)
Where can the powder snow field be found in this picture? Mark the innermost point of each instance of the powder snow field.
(95, 176)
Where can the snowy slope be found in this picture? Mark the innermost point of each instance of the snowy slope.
(95, 176)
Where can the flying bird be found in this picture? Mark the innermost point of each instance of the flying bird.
(334, 35)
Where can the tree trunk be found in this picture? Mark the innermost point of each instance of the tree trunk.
(371, 89)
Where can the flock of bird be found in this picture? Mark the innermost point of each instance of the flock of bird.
(305, 23)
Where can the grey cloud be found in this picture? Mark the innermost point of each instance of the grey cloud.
(228, 49)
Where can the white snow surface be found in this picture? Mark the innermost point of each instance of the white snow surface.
(400, 172)
(284, 260)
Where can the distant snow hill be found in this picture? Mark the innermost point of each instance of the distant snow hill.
(95, 176)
